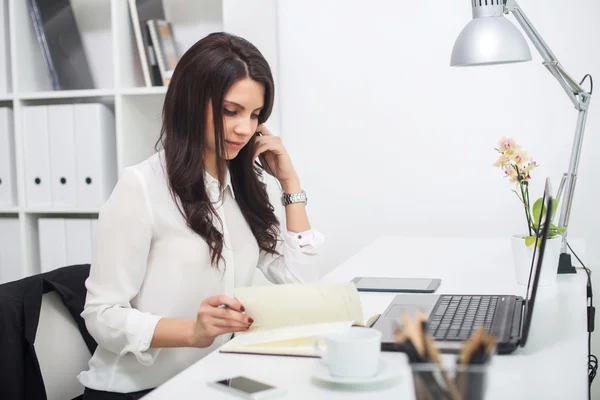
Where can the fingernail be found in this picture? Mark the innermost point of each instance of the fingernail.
(250, 320)
(243, 309)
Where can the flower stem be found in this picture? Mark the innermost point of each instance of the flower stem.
(530, 212)
(518, 196)
(526, 204)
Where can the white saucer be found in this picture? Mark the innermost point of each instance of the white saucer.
(384, 374)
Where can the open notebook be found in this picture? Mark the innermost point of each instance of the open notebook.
(288, 318)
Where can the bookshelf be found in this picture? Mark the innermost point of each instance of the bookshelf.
(108, 39)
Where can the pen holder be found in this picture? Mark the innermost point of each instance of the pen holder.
(449, 382)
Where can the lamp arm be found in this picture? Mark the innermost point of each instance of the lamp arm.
(570, 86)
(580, 99)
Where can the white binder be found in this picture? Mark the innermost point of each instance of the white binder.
(10, 250)
(94, 224)
(8, 189)
(53, 246)
(36, 156)
(5, 70)
(79, 240)
(61, 133)
(95, 147)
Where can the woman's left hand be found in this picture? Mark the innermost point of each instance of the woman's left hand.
(274, 157)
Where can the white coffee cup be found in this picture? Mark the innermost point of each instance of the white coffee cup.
(351, 353)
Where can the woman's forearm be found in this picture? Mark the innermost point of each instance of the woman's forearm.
(173, 333)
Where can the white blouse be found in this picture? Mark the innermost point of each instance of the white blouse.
(147, 264)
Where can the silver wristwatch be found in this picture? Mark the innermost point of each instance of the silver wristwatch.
(292, 198)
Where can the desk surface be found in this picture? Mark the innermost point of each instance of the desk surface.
(553, 365)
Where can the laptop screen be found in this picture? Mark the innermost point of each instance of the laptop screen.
(545, 218)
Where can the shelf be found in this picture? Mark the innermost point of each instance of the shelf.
(109, 44)
(60, 211)
(142, 91)
(66, 94)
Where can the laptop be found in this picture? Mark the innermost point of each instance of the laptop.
(454, 317)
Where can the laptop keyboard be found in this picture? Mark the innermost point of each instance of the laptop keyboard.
(456, 317)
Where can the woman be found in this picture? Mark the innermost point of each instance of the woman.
(186, 226)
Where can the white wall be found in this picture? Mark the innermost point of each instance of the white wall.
(390, 140)
(256, 21)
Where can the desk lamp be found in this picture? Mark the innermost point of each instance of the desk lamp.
(488, 39)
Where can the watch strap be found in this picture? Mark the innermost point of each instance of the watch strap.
(291, 198)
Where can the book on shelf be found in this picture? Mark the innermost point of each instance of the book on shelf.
(141, 11)
(163, 43)
(61, 45)
(289, 317)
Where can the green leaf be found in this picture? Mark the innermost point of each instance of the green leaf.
(539, 209)
(557, 229)
(536, 210)
(529, 240)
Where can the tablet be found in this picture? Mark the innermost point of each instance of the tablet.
(396, 285)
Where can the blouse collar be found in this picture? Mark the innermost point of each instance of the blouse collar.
(213, 183)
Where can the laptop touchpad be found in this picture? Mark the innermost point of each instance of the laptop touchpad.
(410, 305)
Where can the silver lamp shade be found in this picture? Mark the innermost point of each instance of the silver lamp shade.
(489, 38)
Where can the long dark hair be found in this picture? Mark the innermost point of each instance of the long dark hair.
(204, 74)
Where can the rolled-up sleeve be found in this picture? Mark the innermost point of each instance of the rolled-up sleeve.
(296, 261)
(121, 246)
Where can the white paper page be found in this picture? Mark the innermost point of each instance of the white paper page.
(280, 334)
(300, 304)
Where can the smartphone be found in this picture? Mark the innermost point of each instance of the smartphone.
(396, 285)
(247, 388)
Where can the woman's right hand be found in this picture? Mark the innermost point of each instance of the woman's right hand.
(218, 315)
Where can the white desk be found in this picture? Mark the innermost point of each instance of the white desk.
(553, 365)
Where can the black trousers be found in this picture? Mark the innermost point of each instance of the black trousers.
(91, 394)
